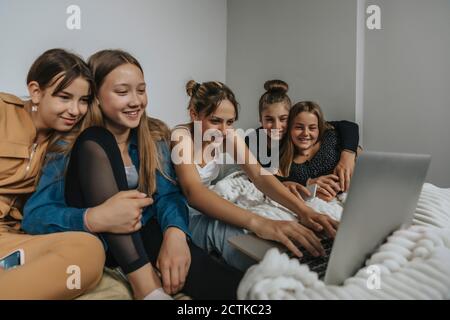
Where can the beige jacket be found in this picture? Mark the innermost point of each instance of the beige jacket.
(20, 159)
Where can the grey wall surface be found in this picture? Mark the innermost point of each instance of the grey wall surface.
(407, 82)
(309, 44)
(175, 40)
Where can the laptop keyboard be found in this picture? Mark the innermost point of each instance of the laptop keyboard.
(317, 264)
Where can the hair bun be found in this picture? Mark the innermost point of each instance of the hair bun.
(276, 85)
(191, 87)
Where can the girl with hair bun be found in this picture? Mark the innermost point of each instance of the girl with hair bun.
(213, 220)
(274, 108)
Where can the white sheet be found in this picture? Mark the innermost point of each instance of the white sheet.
(413, 263)
(238, 189)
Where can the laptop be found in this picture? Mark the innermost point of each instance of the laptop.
(382, 198)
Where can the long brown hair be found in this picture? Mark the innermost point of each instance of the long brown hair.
(56, 64)
(288, 148)
(149, 130)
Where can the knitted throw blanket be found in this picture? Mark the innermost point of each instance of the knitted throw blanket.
(413, 263)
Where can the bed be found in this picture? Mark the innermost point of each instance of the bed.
(414, 263)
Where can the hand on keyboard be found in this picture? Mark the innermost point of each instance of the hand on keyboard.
(288, 232)
(318, 264)
(319, 222)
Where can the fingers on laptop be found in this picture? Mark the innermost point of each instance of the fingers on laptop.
(290, 245)
(307, 238)
(330, 229)
(334, 223)
(329, 225)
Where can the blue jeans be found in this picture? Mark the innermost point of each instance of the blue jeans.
(211, 235)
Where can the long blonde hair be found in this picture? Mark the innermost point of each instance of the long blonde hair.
(288, 148)
(149, 130)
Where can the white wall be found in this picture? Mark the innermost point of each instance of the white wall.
(400, 92)
(175, 40)
(407, 82)
(309, 44)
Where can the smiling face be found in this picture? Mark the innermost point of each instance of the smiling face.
(123, 97)
(221, 119)
(305, 131)
(275, 117)
(60, 111)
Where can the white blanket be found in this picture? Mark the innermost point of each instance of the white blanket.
(412, 264)
(238, 189)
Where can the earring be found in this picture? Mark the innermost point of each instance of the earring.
(34, 108)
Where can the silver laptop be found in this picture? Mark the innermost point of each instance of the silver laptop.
(382, 198)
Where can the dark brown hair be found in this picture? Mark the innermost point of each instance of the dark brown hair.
(56, 64)
(206, 97)
(276, 92)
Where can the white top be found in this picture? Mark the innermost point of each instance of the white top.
(132, 177)
(209, 172)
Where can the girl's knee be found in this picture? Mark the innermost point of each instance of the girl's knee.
(89, 244)
(85, 248)
(89, 253)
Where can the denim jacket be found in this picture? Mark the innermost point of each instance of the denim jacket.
(46, 210)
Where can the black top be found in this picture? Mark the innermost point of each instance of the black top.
(347, 134)
(323, 162)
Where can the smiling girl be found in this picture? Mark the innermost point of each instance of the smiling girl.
(274, 106)
(60, 86)
(311, 150)
(213, 220)
(145, 231)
